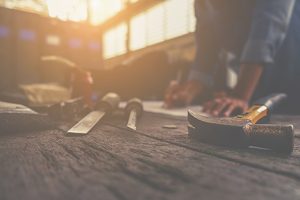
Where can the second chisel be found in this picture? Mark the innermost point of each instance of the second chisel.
(106, 106)
(133, 111)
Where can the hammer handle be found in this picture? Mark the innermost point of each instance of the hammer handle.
(263, 108)
(271, 101)
(279, 138)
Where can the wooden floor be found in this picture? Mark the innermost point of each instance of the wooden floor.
(152, 163)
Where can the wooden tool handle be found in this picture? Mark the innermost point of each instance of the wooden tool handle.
(263, 108)
(134, 104)
(279, 138)
(109, 103)
(271, 101)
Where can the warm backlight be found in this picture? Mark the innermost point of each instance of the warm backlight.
(77, 10)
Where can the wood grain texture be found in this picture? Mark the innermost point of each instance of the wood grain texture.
(151, 126)
(114, 163)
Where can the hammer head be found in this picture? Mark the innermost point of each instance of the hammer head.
(220, 131)
(236, 132)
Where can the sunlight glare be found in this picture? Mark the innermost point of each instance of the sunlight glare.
(102, 10)
(75, 10)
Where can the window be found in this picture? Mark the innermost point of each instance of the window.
(114, 41)
(191, 16)
(167, 20)
(73, 10)
(38, 6)
(147, 28)
(176, 18)
(155, 25)
(164, 21)
(133, 1)
(101, 10)
(138, 32)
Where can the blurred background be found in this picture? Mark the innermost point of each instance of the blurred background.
(133, 47)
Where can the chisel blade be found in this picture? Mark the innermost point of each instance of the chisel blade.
(132, 120)
(87, 123)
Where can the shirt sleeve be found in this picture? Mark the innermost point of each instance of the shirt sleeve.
(268, 30)
(207, 43)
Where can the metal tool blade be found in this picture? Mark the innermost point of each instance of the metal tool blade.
(18, 118)
(87, 123)
(131, 124)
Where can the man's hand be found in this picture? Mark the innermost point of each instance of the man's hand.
(224, 105)
(182, 94)
(228, 105)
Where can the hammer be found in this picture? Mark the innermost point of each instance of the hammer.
(242, 131)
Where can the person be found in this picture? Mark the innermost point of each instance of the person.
(263, 35)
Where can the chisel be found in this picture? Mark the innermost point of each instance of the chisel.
(133, 110)
(106, 106)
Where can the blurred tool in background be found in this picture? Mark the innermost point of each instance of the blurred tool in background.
(81, 81)
(16, 118)
(66, 110)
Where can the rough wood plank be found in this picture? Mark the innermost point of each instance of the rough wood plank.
(289, 119)
(110, 163)
(151, 126)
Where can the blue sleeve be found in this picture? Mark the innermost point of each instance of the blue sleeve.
(207, 42)
(269, 27)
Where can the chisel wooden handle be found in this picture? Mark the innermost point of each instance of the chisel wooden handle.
(134, 104)
(279, 138)
(108, 103)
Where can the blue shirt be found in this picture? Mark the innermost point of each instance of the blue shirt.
(254, 30)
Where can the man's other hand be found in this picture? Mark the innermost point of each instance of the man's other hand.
(224, 105)
(178, 95)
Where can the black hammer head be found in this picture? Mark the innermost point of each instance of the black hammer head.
(220, 131)
(236, 132)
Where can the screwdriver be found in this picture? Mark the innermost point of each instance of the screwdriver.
(106, 106)
(133, 110)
